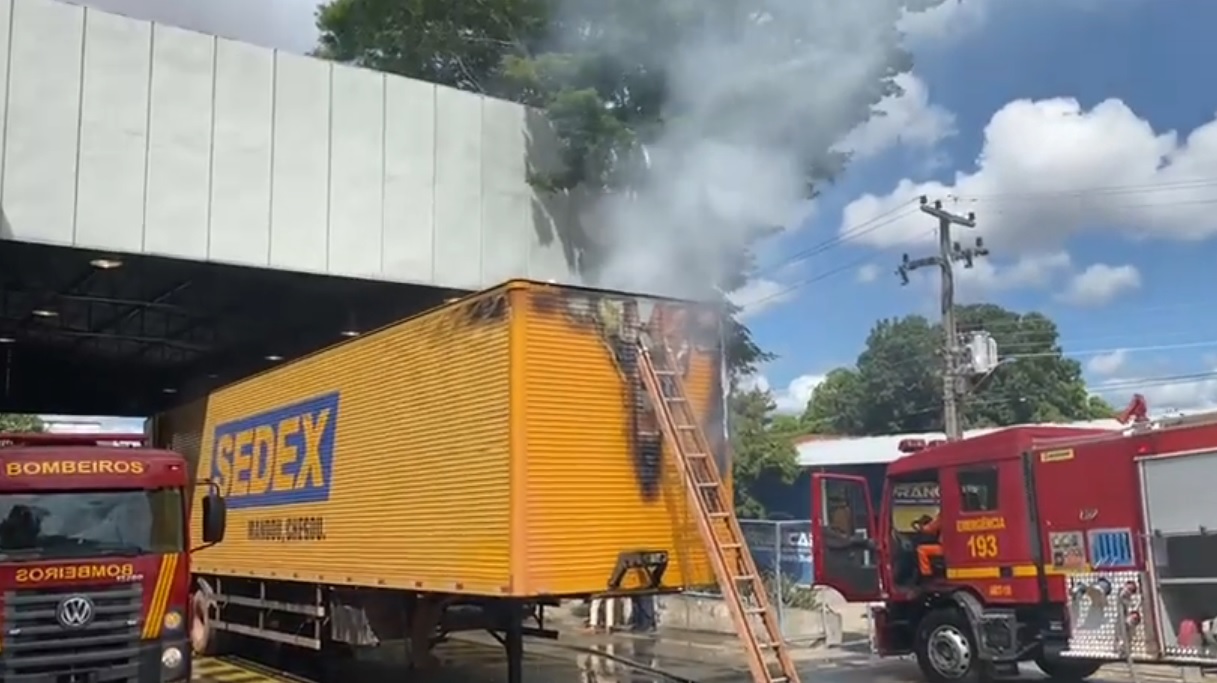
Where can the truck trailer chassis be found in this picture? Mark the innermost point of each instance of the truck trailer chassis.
(333, 620)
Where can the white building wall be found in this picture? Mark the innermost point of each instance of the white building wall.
(122, 135)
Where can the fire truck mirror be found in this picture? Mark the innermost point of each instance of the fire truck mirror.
(215, 518)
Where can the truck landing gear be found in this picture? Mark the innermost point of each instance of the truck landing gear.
(946, 648)
(510, 634)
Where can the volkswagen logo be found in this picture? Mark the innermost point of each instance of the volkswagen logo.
(75, 611)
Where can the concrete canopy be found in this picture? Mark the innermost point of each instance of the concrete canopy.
(260, 204)
(77, 338)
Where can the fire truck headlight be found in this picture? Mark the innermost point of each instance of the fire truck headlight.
(173, 620)
(171, 658)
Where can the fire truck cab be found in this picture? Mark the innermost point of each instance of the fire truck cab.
(967, 559)
(94, 561)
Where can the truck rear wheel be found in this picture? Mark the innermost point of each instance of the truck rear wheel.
(1066, 670)
(946, 648)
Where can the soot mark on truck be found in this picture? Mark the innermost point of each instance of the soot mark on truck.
(287, 529)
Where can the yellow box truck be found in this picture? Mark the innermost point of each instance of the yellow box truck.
(455, 469)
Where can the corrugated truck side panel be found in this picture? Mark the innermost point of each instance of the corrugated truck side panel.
(382, 461)
(594, 488)
(180, 430)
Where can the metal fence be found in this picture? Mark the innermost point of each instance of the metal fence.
(782, 552)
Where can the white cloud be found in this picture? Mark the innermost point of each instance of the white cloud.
(868, 273)
(951, 18)
(790, 399)
(1100, 284)
(759, 295)
(283, 24)
(909, 120)
(1050, 169)
(988, 275)
(1108, 363)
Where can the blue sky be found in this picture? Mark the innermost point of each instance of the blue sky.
(1096, 216)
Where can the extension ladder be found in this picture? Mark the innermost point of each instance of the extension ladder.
(738, 579)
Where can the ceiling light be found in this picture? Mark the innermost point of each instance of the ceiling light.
(169, 390)
(274, 357)
(106, 263)
(7, 340)
(44, 313)
(349, 333)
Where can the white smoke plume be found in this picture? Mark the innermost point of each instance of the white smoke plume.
(747, 111)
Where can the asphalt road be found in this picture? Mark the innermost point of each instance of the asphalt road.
(475, 662)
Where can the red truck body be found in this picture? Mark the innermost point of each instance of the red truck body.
(94, 568)
(1066, 547)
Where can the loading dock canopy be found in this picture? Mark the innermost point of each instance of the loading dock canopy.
(89, 333)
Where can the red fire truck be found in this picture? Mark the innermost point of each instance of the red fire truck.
(94, 568)
(1067, 547)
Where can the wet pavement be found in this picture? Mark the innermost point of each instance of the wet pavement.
(583, 658)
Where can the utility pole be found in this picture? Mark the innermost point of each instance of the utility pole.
(948, 253)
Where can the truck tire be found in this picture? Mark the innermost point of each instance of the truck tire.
(1066, 670)
(946, 648)
(205, 639)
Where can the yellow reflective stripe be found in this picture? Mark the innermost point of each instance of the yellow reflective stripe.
(1019, 571)
(162, 582)
(160, 597)
(974, 573)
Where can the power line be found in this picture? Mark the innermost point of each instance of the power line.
(1100, 190)
(903, 210)
(1123, 386)
(1127, 349)
(853, 232)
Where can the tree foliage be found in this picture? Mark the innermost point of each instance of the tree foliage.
(762, 452)
(14, 422)
(896, 384)
(602, 72)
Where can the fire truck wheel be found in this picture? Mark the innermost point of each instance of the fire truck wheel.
(1066, 670)
(946, 648)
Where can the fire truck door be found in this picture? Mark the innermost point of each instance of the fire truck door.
(984, 531)
(843, 544)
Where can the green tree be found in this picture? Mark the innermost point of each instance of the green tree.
(896, 386)
(1036, 383)
(833, 408)
(14, 422)
(763, 454)
(790, 426)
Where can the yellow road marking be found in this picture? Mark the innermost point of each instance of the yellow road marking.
(208, 670)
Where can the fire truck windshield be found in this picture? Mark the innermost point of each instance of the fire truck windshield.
(57, 525)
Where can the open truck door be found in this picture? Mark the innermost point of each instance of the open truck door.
(844, 551)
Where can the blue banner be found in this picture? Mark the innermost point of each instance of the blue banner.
(790, 542)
